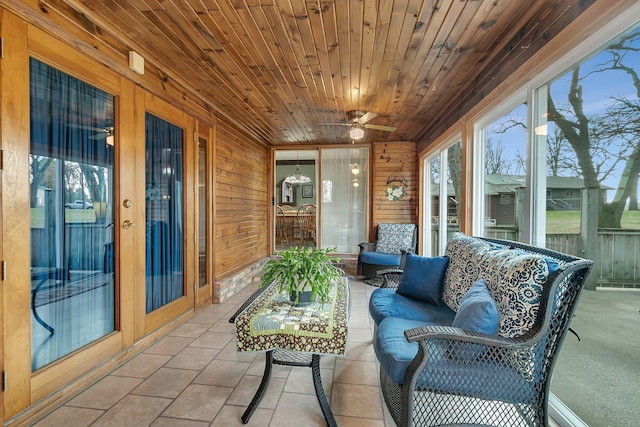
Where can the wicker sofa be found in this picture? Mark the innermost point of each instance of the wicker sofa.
(472, 337)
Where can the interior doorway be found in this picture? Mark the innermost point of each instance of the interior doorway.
(296, 192)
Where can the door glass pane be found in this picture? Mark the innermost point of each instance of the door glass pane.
(505, 144)
(202, 211)
(71, 212)
(164, 218)
(296, 196)
(345, 203)
(590, 130)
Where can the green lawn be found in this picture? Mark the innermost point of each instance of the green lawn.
(568, 222)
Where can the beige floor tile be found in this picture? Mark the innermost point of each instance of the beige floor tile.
(177, 422)
(360, 422)
(189, 330)
(359, 335)
(354, 400)
(229, 352)
(199, 402)
(215, 340)
(70, 416)
(209, 317)
(231, 416)
(133, 411)
(301, 381)
(223, 326)
(356, 372)
(106, 393)
(223, 373)
(298, 410)
(166, 382)
(192, 358)
(246, 389)
(169, 345)
(142, 366)
(359, 321)
(360, 351)
(277, 371)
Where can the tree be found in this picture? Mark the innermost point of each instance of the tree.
(602, 142)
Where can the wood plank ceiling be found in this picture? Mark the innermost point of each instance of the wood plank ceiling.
(291, 71)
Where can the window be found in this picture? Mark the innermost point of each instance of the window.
(442, 218)
(502, 146)
(588, 124)
(72, 231)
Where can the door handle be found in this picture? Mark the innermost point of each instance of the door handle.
(126, 224)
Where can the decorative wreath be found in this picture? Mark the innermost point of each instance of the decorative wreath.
(395, 192)
(396, 187)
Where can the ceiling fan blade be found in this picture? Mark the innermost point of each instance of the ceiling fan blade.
(346, 133)
(367, 116)
(333, 124)
(380, 127)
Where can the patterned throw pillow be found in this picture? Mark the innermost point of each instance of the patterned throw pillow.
(464, 268)
(516, 282)
(393, 238)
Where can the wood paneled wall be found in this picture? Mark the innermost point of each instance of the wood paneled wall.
(392, 160)
(241, 233)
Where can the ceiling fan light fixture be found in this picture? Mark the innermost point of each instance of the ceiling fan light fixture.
(356, 133)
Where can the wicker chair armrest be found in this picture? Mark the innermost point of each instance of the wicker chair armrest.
(390, 277)
(367, 247)
(248, 301)
(450, 333)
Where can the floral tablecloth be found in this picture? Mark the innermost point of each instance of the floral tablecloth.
(273, 322)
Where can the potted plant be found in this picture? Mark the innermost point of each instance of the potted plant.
(305, 273)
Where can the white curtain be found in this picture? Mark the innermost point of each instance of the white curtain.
(344, 198)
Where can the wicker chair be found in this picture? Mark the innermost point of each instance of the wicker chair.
(371, 258)
(464, 378)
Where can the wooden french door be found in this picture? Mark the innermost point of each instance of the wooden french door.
(169, 227)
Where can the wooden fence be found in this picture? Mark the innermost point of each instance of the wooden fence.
(615, 255)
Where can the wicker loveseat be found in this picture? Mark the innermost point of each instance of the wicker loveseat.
(471, 338)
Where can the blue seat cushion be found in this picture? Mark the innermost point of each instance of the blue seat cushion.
(423, 278)
(492, 381)
(393, 351)
(387, 303)
(378, 258)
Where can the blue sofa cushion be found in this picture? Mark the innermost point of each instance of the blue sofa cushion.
(393, 351)
(378, 258)
(478, 311)
(393, 238)
(443, 374)
(423, 277)
(388, 303)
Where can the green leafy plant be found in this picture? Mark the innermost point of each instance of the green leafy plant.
(303, 269)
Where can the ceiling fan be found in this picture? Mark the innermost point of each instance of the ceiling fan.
(357, 121)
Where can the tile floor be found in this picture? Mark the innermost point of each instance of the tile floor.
(194, 377)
